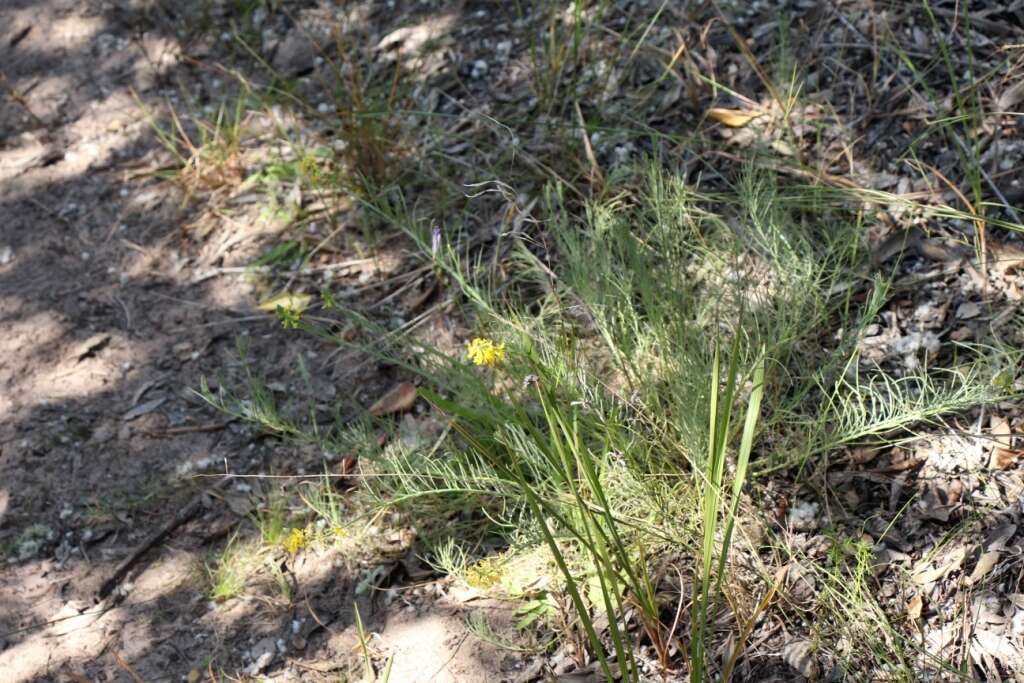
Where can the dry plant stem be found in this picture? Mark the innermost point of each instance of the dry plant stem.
(979, 222)
(596, 177)
(128, 668)
(748, 625)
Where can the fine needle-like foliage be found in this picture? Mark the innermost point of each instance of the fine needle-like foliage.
(592, 412)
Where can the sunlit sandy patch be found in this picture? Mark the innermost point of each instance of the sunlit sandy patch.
(20, 339)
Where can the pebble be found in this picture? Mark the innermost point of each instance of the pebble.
(6, 255)
(479, 69)
(295, 55)
(803, 516)
(262, 654)
(968, 310)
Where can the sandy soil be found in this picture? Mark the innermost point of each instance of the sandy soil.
(108, 323)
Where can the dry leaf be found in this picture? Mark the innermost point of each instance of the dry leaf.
(999, 648)
(800, 656)
(139, 411)
(400, 398)
(288, 300)
(999, 428)
(997, 538)
(985, 564)
(940, 499)
(862, 455)
(1010, 97)
(734, 118)
(914, 606)
(1004, 458)
(925, 576)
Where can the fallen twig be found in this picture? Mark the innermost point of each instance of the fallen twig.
(185, 514)
(187, 429)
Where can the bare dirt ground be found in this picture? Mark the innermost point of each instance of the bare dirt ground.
(108, 322)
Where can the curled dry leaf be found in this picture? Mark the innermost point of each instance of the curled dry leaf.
(1004, 458)
(999, 428)
(914, 606)
(985, 564)
(400, 398)
(734, 118)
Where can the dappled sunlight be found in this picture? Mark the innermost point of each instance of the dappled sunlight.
(735, 267)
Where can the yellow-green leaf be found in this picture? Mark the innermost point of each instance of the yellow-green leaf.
(292, 301)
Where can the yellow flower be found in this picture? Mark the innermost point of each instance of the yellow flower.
(484, 574)
(295, 541)
(485, 352)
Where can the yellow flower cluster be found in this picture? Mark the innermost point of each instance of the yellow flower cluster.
(484, 574)
(295, 541)
(485, 352)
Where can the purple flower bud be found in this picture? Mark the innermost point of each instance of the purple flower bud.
(435, 241)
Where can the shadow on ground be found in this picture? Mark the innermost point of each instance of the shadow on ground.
(110, 318)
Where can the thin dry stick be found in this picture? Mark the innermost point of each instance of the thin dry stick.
(186, 513)
(596, 177)
(128, 668)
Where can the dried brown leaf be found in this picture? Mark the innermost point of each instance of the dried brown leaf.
(1004, 458)
(914, 607)
(985, 564)
(928, 574)
(400, 398)
(1011, 97)
(999, 429)
(734, 118)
